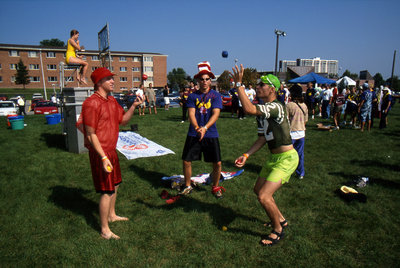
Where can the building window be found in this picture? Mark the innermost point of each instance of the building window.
(150, 78)
(69, 79)
(0, 66)
(94, 68)
(148, 68)
(32, 54)
(149, 59)
(34, 79)
(122, 58)
(51, 54)
(13, 66)
(33, 66)
(136, 59)
(122, 69)
(95, 58)
(1, 79)
(51, 67)
(123, 79)
(135, 69)
(12, 79)
(123, 88)
(136, 79)
(13, 53)
(52, 79)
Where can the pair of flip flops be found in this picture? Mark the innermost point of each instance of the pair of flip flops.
(169, 199)
(274, 241)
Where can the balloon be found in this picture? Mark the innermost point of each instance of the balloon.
(144, 76)
(224, 54)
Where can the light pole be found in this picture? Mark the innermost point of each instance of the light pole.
(278, 33)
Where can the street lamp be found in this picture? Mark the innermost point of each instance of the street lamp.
(278, 33)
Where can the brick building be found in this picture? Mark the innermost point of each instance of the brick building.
(43, 65)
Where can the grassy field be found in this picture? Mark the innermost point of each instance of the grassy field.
(49, 214)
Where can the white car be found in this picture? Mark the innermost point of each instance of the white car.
(37, 96)
(8, 107)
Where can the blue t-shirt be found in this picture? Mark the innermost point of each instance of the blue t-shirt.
(204, 104)
(366, 96)
(310, 95)
(281, 96)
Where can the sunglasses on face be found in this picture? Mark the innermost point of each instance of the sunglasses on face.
(205, 79)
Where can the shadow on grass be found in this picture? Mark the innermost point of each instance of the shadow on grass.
(368, 163)
(222, 216)
(153, 177)
(350, 178)
(73, 199)
(54, 140)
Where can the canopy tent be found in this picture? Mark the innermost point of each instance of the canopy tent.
(347, 81)
(312, 77)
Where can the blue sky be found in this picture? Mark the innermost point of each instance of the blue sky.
(361, 34)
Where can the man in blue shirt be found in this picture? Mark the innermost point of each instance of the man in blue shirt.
(365, 107)
(204, 106)
(310, 98)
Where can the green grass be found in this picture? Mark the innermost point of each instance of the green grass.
(49, 214)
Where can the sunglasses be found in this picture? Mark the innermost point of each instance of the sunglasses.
(204, 79)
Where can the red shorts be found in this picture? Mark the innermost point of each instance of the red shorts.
(105, 182)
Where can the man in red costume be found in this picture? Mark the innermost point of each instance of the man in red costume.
(100, 119)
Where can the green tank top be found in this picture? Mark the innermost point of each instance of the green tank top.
(274, 124)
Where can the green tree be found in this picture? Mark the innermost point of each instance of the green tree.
(54, 42)
(396, 83)
(379, 81)
(250, 76)
(178, 78)
(21, 77)
(224, 81)
(353, 76)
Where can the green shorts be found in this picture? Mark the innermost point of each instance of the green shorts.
(280, 166)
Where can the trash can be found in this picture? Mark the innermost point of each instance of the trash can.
(17, 122)
(53, 119)
(8, 119)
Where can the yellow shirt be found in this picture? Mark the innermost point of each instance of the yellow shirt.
(70, 52)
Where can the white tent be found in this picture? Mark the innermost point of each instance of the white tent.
(347, 81)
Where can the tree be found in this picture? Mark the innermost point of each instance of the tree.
(379, 81)
(353, 76)
(21, 77)
(396, 83)
(178, 78)
(250, 76)
(224, 81)
(54, 42)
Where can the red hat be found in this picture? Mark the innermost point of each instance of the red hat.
(99, 74)
(204, 68)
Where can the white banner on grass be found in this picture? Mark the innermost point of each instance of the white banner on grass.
(132, 145)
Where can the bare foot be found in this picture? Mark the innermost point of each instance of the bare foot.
(117, 218)
(109, 236)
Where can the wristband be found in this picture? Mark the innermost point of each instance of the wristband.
(246, 155)
(197, 128)
(205, 128)
(238, 84)
(104, 158)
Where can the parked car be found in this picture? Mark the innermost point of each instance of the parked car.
(37, 96)
(173, 100)
(226, 102)
(8, 107)
(34, 102)
(3, 97)
(45, 107)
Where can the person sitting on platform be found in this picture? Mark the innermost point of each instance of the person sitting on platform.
(72, 58)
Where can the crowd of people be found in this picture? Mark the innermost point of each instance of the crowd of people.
(359, 105)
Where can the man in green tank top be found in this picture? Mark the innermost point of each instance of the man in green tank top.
(273, 128)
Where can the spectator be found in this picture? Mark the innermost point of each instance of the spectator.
(151, 98)
(21, 105)
(251, 93)
(351, 107)
(140, 93)
(310, 98)
(365, 106)
(234, 99)
(166, 98)
(326, 100)
(338, 100)
(71, 57)
(298, 116)
(281, 95)
(385, 107)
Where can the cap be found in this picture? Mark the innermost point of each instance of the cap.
(365, 86)
(99, 74)
(204, 68)
(271, 80)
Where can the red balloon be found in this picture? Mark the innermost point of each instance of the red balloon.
(144, 76)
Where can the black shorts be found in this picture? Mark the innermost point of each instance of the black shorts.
(208, 146)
